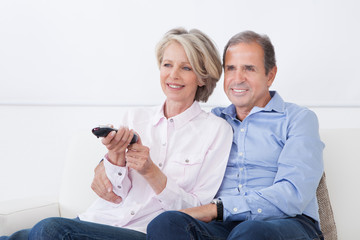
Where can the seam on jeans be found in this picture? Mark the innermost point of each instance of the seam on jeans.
(71, 235)
(205, 234)
(318, 236)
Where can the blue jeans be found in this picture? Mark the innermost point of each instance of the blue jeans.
(74, 229)
(176, 225)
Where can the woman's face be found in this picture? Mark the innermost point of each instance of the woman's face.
(178, 79)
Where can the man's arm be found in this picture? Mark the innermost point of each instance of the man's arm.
(102, 186)
(205, 213)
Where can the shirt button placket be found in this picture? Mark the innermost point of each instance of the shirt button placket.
(241, 154)
(164, 145)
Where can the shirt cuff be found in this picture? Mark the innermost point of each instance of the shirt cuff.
(118, 177)
(235, 208)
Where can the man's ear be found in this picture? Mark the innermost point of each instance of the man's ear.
(271, 76)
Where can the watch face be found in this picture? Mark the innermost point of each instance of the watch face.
(216, 201)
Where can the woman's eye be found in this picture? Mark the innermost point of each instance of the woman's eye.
(166, 65)
(187, 69)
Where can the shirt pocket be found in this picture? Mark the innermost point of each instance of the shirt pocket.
(185, 169)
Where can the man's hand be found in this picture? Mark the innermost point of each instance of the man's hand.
(205, 213)
(102, 186)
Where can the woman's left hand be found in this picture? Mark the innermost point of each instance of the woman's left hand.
(138, 158)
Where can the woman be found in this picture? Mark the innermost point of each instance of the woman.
(179, 159)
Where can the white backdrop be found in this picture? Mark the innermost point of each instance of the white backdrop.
(69, 65)
(86, 52)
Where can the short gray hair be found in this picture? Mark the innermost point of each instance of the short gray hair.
(262, 40)
(202, 54)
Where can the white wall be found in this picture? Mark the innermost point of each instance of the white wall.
(67, 52)
(67, 66)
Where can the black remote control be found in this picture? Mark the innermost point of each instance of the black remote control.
(103, 131)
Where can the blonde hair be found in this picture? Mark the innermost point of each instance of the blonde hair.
(202, 54)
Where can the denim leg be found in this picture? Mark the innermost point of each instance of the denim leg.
(297, 228)
(176, 225)
(63, 228)
(19, 235)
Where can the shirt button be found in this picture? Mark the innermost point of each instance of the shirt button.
(242, 130)
(119, 173)
(132, 213)
(241, 153)
(235, 209)
(187, 160)
(160, 164)
(241, 169)
(259, 210)
(119, 186)
(240, 185)
(164, 144)
(171, 120)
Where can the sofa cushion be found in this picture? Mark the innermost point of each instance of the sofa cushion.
(24, 213)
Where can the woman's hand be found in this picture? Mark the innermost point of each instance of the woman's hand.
(138, 158)
(116, 143)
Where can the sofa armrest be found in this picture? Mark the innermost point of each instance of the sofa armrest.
(24, 213)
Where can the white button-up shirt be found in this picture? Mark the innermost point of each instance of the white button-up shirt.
(191, 149)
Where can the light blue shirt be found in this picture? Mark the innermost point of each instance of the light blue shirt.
(275, 162)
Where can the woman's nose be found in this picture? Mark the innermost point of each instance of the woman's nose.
(174, 73)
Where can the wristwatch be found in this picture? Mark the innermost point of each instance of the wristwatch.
(220, 209)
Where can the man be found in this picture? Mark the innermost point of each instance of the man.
(275, 164)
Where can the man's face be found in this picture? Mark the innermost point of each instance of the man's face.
(245, 82)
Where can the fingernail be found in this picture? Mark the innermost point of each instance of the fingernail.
(109, 189)
(118, 200)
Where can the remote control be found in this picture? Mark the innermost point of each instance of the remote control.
(103, 131)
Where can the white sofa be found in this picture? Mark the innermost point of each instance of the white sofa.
(341, 158)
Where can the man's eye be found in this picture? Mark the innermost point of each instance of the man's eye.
(230, 68)
(249, 68)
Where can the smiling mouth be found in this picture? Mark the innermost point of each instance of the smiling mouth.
(175, 86)
(239, 90)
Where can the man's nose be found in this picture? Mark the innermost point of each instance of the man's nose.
(239, 76)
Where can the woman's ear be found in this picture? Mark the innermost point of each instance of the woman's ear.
(201, 82)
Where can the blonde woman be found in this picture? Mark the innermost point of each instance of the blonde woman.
(179, 160)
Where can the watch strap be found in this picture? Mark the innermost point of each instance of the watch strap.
(219, 208)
